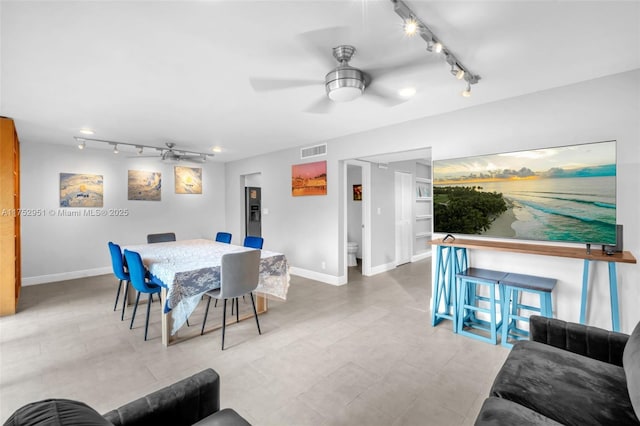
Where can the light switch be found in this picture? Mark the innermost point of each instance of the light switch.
(265, 211)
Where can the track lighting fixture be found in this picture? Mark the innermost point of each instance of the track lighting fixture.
(467, 92)
(168, 153)
(410, 27)
(434, 44)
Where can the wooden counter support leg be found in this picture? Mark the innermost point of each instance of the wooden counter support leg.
(585, 285)
(613, 289)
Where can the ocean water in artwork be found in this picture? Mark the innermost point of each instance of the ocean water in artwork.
(565, 209)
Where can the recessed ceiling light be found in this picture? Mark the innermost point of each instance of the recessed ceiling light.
(87, 131)
(407, 92)
(216, 149)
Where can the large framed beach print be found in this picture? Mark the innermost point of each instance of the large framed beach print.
(81, 190)
(565, 193)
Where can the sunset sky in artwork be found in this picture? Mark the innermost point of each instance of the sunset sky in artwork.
(309, 170)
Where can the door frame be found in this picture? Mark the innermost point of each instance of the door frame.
(366, 216)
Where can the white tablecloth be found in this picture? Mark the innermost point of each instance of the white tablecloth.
(189, 268)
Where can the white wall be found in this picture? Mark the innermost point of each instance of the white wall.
(309, 229)
(56, 247)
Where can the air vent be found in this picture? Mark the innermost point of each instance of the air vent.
(314, 151)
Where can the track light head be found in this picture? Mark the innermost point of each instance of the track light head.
(115, 148)
(467, 92)
(411, 27)
(81, 144)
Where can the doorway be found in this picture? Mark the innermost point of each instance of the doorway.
(356, 214)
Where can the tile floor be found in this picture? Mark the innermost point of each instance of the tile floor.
(363, 353)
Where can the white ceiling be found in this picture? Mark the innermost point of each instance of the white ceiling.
(175, 71)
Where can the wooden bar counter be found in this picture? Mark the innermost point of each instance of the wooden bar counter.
(595, 254)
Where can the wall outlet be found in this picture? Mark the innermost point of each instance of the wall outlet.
(324, 265)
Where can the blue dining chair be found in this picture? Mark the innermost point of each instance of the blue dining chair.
(253, 242)
(119, 271)
(239, 275)
(223, 237)
(161, 238)
(142, 282)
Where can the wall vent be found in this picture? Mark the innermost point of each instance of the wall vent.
(313, 151)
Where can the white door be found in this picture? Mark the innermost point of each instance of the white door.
(404, 204)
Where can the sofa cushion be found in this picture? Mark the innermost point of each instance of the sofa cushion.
(226, 417)
(498, 411)
(631, 364)
(56, 412)
(569, 388)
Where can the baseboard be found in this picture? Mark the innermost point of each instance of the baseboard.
(63, 276)
(420, 256)
(318, 276)
(382, 268)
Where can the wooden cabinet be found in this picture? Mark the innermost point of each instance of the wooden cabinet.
(10, 274)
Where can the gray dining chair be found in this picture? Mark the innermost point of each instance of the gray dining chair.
(239, 275)
(161, 238)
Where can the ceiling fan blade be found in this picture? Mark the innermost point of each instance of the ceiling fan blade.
(407, 65)
(192, 159)
(323, 105)
(267, 84)
(321, 42)
(384, 96)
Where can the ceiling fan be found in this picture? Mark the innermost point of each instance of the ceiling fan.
(169, 154)
(343, 83)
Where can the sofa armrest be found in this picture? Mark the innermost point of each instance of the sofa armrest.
(581, 339)
(182, 403)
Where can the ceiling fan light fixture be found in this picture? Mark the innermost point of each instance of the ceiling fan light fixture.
(344, 84)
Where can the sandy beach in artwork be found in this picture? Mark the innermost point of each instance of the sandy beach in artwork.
(501, 226)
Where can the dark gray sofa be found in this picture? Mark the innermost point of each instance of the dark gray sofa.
(191, 401)
(568, 374)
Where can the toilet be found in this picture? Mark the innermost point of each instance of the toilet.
(352, 250)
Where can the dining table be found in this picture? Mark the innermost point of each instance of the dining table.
(187, 269)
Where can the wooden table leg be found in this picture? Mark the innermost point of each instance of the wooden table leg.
(261, 303)
(166, 320)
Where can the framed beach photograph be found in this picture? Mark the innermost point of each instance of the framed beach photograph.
(309, 179)
(188, 180)
(564, 194)
(81, 190)
(144, 186)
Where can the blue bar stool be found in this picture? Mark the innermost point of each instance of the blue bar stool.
(469, 303)
(514, 284)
